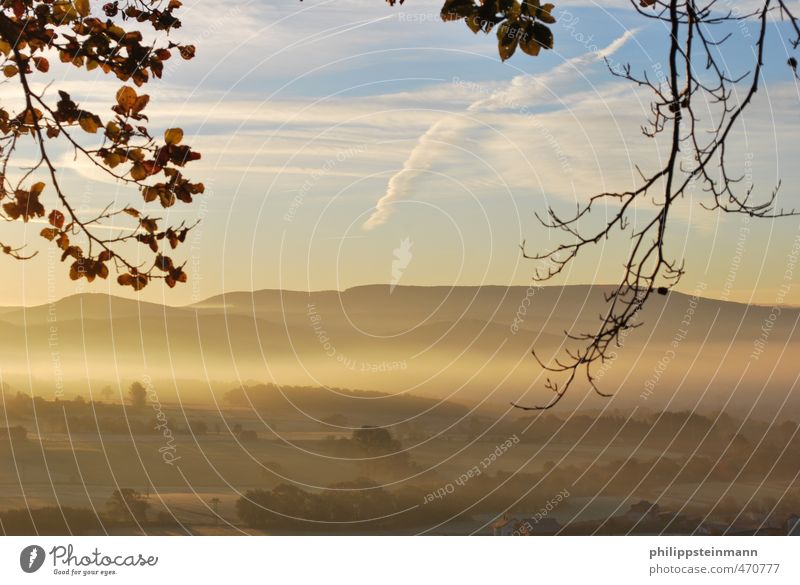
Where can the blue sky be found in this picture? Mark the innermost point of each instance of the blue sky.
(309, 114)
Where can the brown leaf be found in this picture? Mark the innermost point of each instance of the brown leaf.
(173, 136)
(63, 241)
(149, 224)
(49, 233)
(89, 123)
(41, 64)
(56, 218)
(77, 270)
(138, 172)
(126, 98)
(82, 6)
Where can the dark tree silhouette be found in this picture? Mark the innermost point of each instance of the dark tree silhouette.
(380, 453)
(49, 521)
(127, 505)
(137, 394)
(375, 441)
(34, 32)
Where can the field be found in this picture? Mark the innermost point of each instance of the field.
(192, 466)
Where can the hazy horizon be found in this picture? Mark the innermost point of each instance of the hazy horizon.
(125, 295)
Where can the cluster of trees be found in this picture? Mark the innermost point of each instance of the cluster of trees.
(291, 508)
(21, 405)
(80, 416)
(76, 415)
(378, 453)
(729, 516)
(362, 505)
(680, 430)
(326, 403)
(126, 507)
(49, 521)
(288, 506)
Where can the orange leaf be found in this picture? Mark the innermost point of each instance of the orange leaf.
(173, 136)
(56, 218)
(126, 98)
(49, 233)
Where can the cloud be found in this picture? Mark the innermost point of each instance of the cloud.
(438, 135)
(523, 89)
(447, 130)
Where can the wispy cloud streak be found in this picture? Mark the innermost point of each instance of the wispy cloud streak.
(518, 91)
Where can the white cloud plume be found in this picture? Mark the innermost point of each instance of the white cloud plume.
(437, 136)
(518, 92)
(523, 89)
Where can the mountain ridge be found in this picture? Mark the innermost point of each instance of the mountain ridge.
(352, 289)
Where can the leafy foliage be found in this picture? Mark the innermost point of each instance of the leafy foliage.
(49, 521)
(288, 506)
(519, 24)
(32, 34)
(127, 505)
(137, 394)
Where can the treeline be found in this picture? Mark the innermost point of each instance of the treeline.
(125, 508)
(49, 521)
(288, 506)
(378, 453)
(356, 507)
(81, 416)
(20, 406)
(321, 402)
(680, 430)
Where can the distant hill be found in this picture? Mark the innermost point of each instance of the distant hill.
(458, 343)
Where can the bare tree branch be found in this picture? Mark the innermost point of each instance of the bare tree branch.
(697, 156)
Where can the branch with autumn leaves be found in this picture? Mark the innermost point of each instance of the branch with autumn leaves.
(520, 24)
(33, 32)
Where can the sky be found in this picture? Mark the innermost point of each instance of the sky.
(345, 143)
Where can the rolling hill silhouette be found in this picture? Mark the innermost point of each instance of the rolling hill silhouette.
(467, 344)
